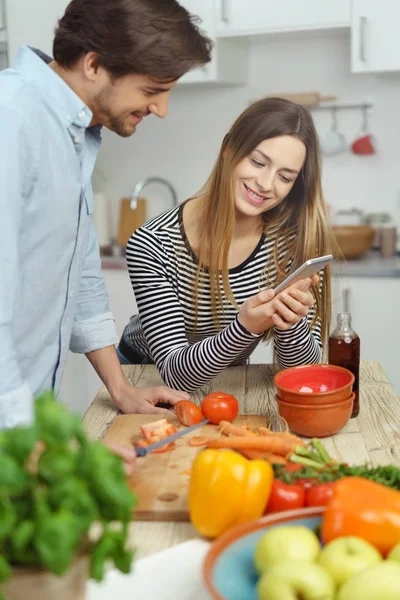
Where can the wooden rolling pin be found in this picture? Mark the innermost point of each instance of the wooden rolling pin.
(305, 98)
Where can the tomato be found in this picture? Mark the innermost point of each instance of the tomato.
(157, 430)
(188, 413)
(218, 407)
(285, 496)
(319, 495)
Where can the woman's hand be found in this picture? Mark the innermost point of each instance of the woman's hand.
(265, 310)
(292, 304)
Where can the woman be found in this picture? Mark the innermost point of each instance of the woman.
(203, 273)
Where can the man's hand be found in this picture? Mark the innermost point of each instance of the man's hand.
(127, 454)
(130, 399)
(133, 400)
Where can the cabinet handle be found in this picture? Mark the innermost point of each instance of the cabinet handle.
(224, 11)
(346, 300)
(363, 31)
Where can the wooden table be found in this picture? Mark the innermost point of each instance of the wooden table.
(374, 436)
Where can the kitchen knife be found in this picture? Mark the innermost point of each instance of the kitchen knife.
(169, 439)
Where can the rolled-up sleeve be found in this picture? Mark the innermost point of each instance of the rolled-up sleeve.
(16, 405)
(93, 326)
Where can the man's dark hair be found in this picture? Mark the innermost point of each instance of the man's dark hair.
(158, 38)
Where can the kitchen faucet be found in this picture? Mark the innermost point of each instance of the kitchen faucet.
(143, 182)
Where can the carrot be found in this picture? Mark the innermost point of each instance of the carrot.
(229, 429)
(199, 440)
(277, 443)
(259, 454)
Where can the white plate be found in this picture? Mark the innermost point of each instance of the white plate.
(174, 574)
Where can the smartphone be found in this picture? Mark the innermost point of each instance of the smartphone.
(308, 269)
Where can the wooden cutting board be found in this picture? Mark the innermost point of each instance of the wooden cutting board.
(130, 220)
(161, 481)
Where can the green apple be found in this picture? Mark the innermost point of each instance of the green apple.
(381, 582)
(294, 579)
(294, 542)
(346, 556)
(394, 554)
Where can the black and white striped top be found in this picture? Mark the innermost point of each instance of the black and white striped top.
(162, 268)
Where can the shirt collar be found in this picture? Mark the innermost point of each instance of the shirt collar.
(56, 93)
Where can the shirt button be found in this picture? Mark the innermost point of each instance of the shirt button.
(76, 140)
(81, 114)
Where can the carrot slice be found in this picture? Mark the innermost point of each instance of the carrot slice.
(199, 440)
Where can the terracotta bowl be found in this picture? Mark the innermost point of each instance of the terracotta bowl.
(314, 384)
(310, 420)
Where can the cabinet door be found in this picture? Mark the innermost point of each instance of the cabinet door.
(373, 304)
(263, 354)
(205, 10)
(375, 40)
(237, 17)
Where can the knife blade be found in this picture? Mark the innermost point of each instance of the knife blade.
(169, 439)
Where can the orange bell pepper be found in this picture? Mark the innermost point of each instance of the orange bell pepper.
(227, 489)
(363, 508)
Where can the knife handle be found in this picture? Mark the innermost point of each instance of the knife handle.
(141, 451)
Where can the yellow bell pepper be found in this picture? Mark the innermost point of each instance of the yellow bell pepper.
(226, 489)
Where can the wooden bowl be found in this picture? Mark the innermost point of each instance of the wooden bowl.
(354, 240)
(316, 420)
(314, 384)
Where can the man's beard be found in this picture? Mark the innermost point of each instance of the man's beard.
(105, 116)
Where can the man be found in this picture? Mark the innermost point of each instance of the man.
(115, 62)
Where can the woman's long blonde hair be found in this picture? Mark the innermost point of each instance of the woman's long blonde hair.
(303, 211)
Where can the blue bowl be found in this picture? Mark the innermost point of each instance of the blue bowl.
(228, 568)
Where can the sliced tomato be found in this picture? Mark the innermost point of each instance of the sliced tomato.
(145, 444)
(218, 407)
(158, 429)
(188, 413)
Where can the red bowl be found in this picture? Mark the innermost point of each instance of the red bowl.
(314, 383)
(310, 420)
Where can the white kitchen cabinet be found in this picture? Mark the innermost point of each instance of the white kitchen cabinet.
(373, 303)
(263, 354)
(249, 17)
(229, 58)
(375, 40)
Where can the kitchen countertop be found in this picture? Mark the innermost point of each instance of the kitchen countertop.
(371, 264)
(374, 436)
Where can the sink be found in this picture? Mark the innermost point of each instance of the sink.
(354, 240)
